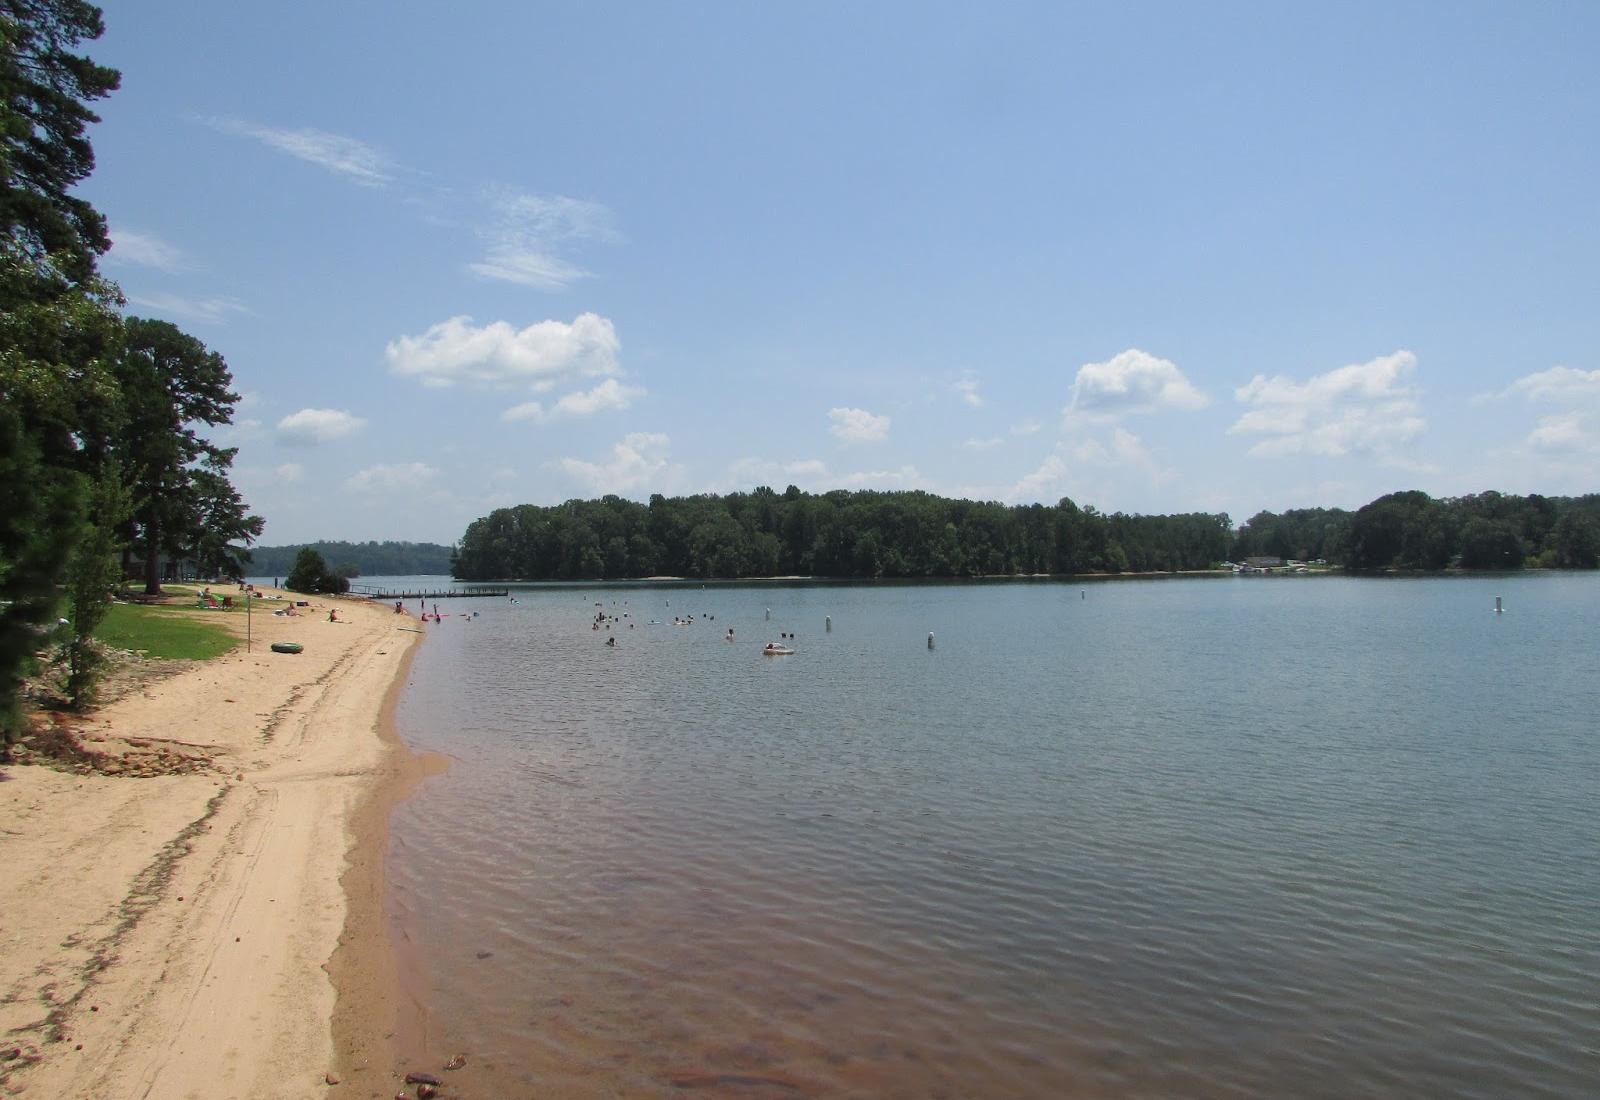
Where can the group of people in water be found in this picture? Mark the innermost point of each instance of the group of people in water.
(606, 619)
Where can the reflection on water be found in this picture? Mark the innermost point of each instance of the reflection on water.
(1244, 837)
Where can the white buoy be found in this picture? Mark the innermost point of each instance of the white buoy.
(1497, 608)
(769, 612)
(930, 639)
(1083, 594)
(827, 623)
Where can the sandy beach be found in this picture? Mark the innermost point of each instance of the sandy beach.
(168, 928)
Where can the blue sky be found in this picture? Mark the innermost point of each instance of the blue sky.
(1152, 257)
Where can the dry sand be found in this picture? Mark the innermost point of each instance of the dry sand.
(170, 936)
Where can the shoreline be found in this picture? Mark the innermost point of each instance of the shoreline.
(379, 1021)
(197, 899)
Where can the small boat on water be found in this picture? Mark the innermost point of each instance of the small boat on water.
(773, 649)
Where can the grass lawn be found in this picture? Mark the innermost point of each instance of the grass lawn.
(170, 633)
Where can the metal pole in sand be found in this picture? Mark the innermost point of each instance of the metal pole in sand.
(247, 602)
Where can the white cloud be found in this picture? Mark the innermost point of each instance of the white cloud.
(982, 444)
(746, 473)
(290, 472)
(1564, 433)
(967, 388)
(312, 426)
(1132, 382)
(209, 311)
(1124, 451)
(344, 156)
(1570, 433)
(639, 460)
(385, 478)
(145, 250)
(608, 395)
(858, 425)
(1026, 427)
(1364, 407)
(1031, 487)
(527, 266)
(528, 233)
(544, 353)
(1560, 385)
(906, 477)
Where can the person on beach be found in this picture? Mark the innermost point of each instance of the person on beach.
(333, 614)
(399, 608)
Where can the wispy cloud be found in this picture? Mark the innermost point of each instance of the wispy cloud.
(1132, 381)
(1124, 451)
(983, 444)
(906, 477)
(1036, 485)
(1361, 408)
(528, 233)
(542, 354)
(349, 157)
(607, 396)
(146, 250)
(639, 460)
(389, 478)
(858, 425)
(966, 388)
(309, 427)
(1557, 385)
(205, 311)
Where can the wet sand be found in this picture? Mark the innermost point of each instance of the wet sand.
(178, 915)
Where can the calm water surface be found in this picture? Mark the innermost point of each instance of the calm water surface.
(1314, 837)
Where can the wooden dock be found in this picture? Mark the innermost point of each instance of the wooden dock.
(378, 592)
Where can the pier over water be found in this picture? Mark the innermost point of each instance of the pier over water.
(382, 592)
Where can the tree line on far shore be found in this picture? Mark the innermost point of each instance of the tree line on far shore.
(356, 559)
(916, 534)
(1413, 531)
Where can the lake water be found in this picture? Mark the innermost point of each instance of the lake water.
(1249, 837)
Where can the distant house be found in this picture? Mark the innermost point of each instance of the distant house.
(1264, 563)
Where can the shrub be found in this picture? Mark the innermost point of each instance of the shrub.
(311, 575)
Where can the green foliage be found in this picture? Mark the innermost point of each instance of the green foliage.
(45, 89)
(40, 509)
(312, 575)
(183, 502)
(166, 633)
(1490, 544)
(874, 534)
(371, 559)
(92, 576)
(838, 534)
(1480, 531)
(1575, 541)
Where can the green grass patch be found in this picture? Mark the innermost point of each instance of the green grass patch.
(165, 632)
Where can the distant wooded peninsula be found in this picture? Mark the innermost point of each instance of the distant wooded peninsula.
(916, 534)
(356, 559)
